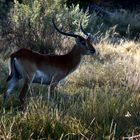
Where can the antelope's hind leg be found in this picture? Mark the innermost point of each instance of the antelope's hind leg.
(11, 83)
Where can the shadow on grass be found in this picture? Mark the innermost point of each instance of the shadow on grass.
(60, 99)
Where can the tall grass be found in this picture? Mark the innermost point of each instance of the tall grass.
(100, 100)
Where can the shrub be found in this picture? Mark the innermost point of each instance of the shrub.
(30, 24)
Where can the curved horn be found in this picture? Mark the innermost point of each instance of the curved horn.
(61, 32)
(82, 29)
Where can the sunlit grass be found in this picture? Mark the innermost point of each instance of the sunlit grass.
(100, 100)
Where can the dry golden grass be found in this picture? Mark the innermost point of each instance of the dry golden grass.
(100, 100)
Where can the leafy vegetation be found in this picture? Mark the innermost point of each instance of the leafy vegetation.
(100, 100)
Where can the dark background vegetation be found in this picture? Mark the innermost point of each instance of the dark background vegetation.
(128, 4)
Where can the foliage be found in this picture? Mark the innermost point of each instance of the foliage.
(123, 24)
(30, 24)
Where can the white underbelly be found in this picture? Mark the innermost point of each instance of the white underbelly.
(41, 77)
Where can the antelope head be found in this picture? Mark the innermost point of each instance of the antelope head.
(84, 44)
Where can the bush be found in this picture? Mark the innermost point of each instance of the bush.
(30, 24)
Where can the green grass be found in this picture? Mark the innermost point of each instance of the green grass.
(100, 100)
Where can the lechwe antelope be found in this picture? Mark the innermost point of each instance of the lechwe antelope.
(34, 67)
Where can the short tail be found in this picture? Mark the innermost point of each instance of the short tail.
(11, 68)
